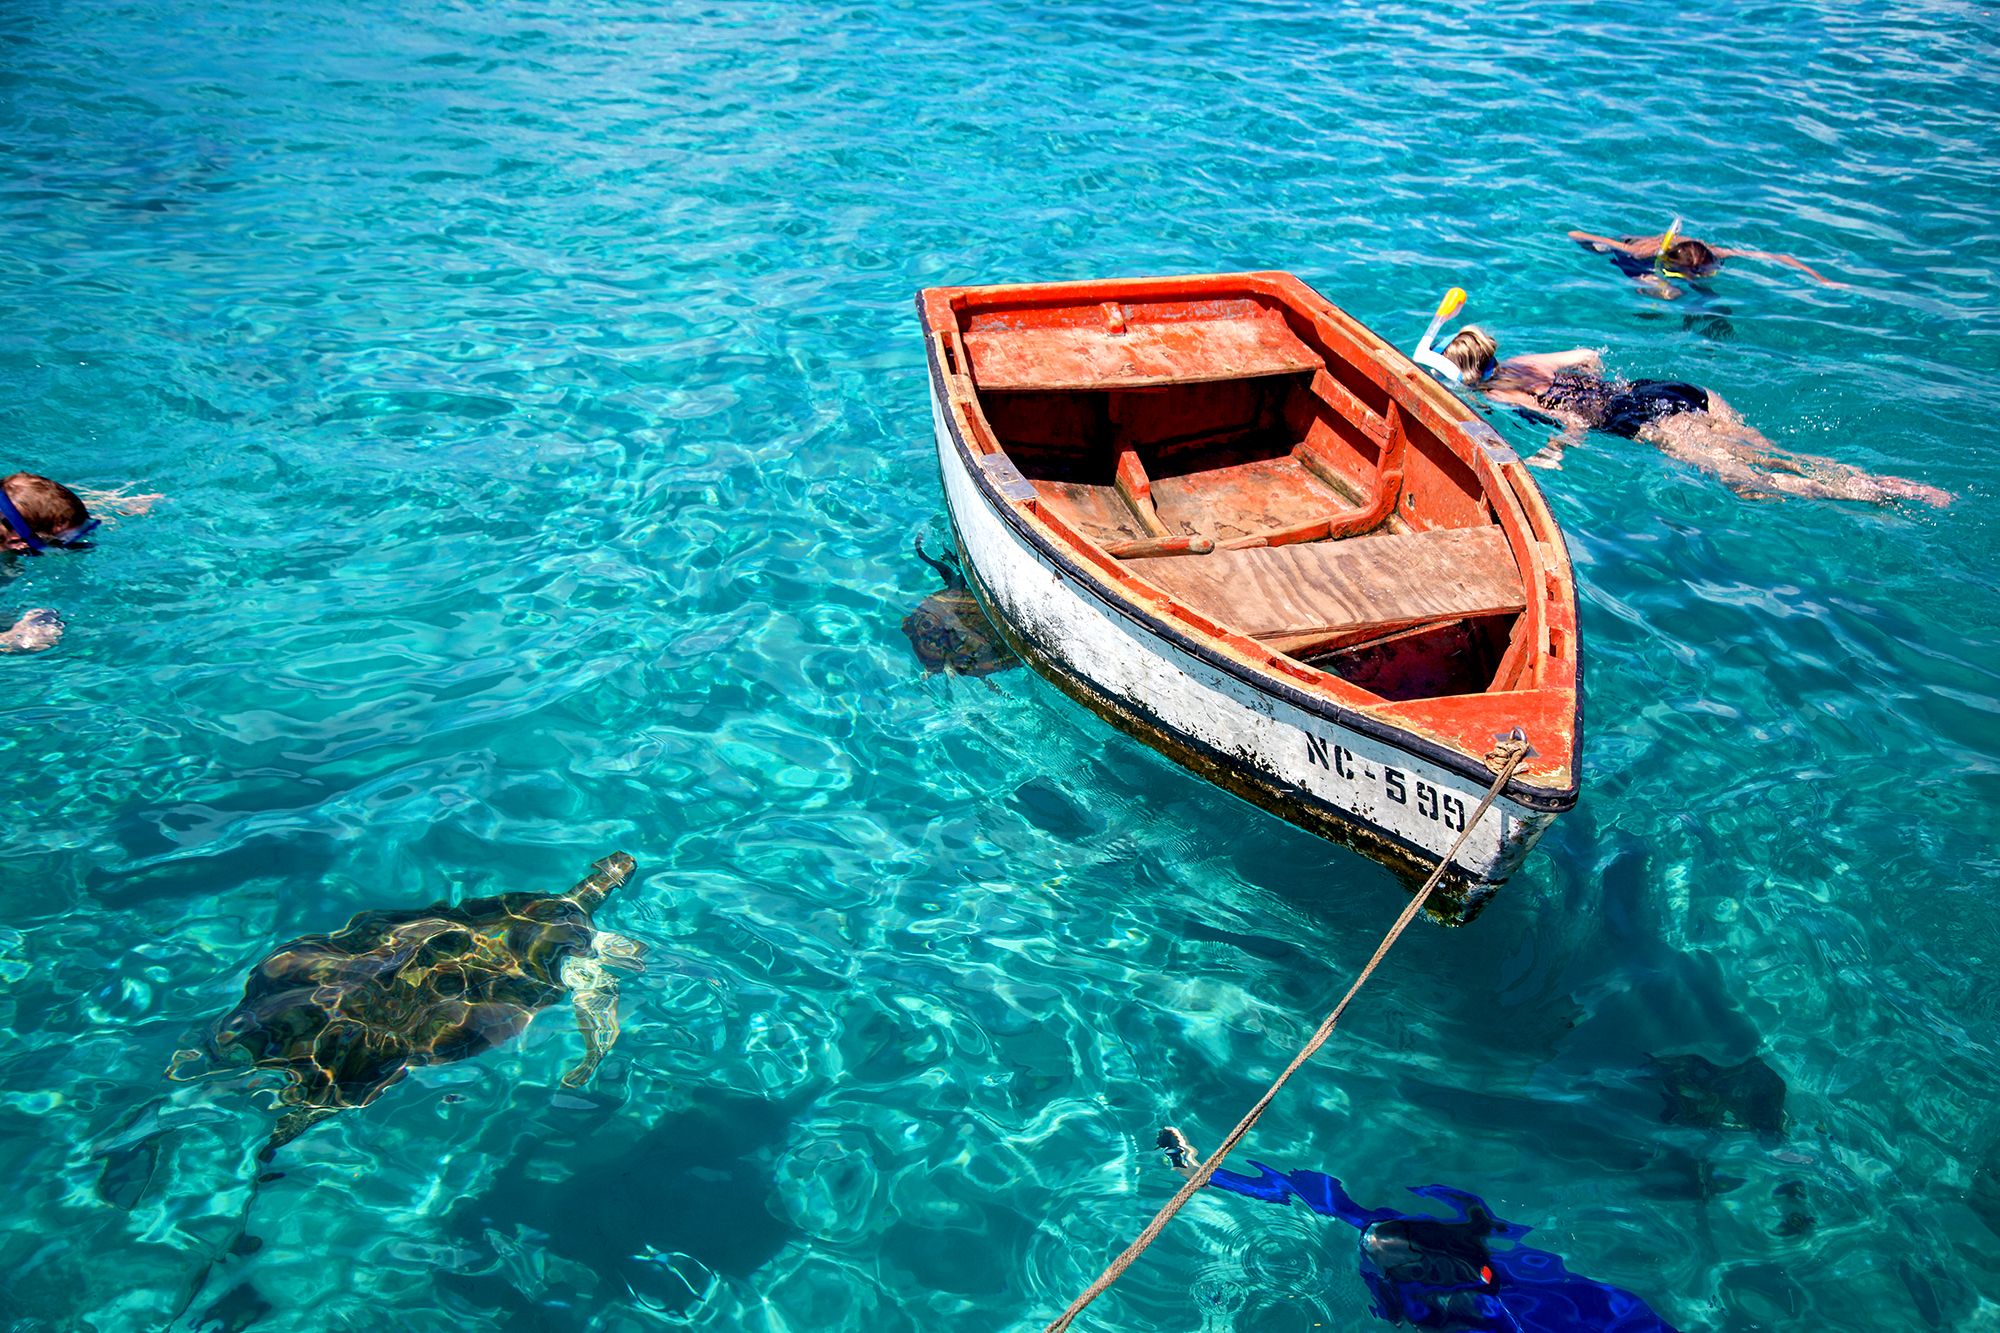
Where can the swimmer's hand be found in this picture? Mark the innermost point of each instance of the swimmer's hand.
(1181, 1155)
(1550, 456)
(36, 632)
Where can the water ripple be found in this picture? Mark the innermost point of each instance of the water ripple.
(536, 394)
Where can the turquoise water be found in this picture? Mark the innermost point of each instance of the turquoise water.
(537, 394)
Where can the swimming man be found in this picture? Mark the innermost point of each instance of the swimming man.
(1445, 1272)
(1655, 260)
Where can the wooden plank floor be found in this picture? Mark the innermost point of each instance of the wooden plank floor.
(1245, 499)
(1362, 583)
(1099, 512)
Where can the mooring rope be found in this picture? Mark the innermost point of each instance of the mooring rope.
(1504, 758)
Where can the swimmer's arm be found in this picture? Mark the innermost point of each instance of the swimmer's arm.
(1465, 1206)
(37, 631)
(1520, 398)
(123, 499)
(1315, 1189)
(1778, 259)
(1639, 247)
(1548, 363)
(1550, 455)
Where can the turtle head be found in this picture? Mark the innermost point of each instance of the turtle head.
(605, 875)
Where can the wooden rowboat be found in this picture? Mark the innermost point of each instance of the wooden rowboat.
(1242, 527)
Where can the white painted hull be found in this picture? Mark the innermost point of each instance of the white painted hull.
(1303, 765)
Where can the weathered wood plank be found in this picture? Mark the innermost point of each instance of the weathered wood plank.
(1327, 588)
(1344, 401)
(1131, 481)
(1099, 512)
(1245, 499)
(1090, 356)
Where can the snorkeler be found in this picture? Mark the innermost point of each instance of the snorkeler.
(1685, 421)
(1656, 260)
(38, 515)
(1444, 1272)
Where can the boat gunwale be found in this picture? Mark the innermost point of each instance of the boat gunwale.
(1214, 648)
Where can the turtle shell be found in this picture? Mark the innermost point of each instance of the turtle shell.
(949, 632)
(345, 1015)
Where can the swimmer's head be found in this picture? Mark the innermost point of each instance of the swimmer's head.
(1689, 258)
(1416, 1266)
(51, 513)
(1472, 352)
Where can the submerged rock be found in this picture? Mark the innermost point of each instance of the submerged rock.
(1984, 1196)
(237, 1309)
(1796, 1218)
(660, 1215)
(127, 1171)
(1707, 1095)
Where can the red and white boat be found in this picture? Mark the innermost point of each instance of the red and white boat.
(1242, 527)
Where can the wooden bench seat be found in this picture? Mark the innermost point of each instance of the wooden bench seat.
(1329, 593)
(1238, 340)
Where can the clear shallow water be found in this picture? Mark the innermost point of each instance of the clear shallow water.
(538, 395)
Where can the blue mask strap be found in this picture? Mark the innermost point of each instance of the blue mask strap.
(13, 519)
(74, 537)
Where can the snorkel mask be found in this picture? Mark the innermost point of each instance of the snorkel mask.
(68, 538)
(1453, 302)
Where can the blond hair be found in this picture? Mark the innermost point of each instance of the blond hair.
(1472, 352)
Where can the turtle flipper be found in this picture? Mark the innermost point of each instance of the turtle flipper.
(619, 951)
(594, 993)
(604, 876)
(946, 570)
(290, 1125)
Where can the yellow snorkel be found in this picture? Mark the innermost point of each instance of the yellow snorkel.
(1666, 244)
(1453, 302)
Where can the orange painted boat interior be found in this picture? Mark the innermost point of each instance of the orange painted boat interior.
(1239, 456)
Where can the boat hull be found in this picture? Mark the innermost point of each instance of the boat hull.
(1367, 787)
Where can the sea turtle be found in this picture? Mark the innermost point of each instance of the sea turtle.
(345, 1015)
(950, 632)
